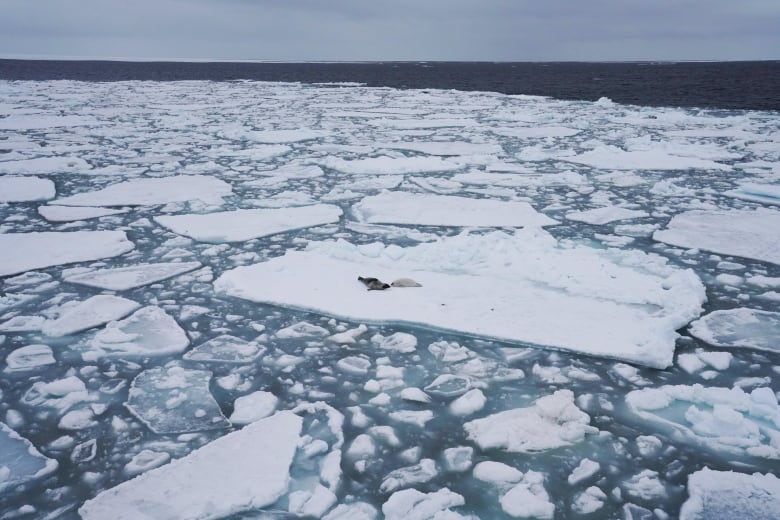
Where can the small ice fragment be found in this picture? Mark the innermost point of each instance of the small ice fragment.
(586, 469)
(497, 473)
(253, 407)
(415, 395)
(301, 330)
(89, 313)
(469, 403)
(130, 277)
(144, 461)
(20, 462)
(175, 400)
(354, 365)
(448, 385)
(410, 504)
(397, 342)
(349, 337)
(589, 501)
(226, 349)
(528, 498)
(458, 459)
(741, 327)
(29, 357)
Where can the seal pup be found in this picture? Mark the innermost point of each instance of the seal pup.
(373, 284)
(405, 282)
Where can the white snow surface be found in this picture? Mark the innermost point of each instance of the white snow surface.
(750, 234)
(89, 313)
(605, 215)
(245, 224)
(526, 287)
(23, 189)
(20, 252)
(246, 469)
(729, 495)
(614, 158)
(130, 277)
(399, 207)
(54, 213)
(158, 190)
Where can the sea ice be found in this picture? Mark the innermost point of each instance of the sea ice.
(23, 189)
(525, 287)
(175, 400)
(741, 327)
(157, 190)
(410, 504)
(245, 224)
(728, 495)
(71, 213)
(45, 166)
(528, 498)
(551, 422)
(605, 215)
(246, 469)
(253, 407)
(226, 349)
(29, 357)
(130, 277)
(149, 331)
(20, 462)
(397, 207)
(614, 158)
(20, 252)
(763, 193)
(726, 420)
(89, 313)
(749, 234)
(390, 165)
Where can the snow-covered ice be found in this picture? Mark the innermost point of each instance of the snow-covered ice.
(247, 469)
(605, 215)
(21, 252)
(441, 210)
(477, 280)
(246, 224)
(729, 494)
(145, 192)
(130, 277)
(745, 233)
(89, 313)
(23, 189)
(20, 462)
(741, 327)
(54, 213)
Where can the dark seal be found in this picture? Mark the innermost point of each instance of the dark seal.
(373, 284)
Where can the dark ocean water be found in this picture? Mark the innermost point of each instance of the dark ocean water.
(728, 85)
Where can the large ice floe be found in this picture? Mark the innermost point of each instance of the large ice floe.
(522, 287)
(582, 318)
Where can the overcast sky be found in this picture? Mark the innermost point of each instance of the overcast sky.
(357, 30)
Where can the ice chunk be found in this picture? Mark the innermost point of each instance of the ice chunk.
(586, 469)
(253, 407)
(722, 419)
(60, 394)
(158, 190)
(29, 357)
(71, 213)
(352, 511)
(742, 327)
(354, 365)
(726, 495)
(459, 458)
(411, 504)
(645, 485)
(614, 158)
(44, 165)
(528, 498)
(245, 224)
(247, 469)
(20, 462)
(89, 313)
(130, 277)
(449, 385)
(226, 349)
(146, 460)
(149, 331)
(749, 234)
(175, 400)
(605, 215)
(589, 501)
(20, 252)
(764, 193)
(390, 165)
(397, 342)
(349, 337)
(23, 189)
(551, 422)
(301, 330)
(471, 285)
(497, 473)
(399, 207)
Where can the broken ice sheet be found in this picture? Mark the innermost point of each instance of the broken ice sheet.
(151, 191)
(29, 357)
(149, 331)
(22, 189)
(226, 349)
(20, 462)
(175, 400)
(129, 277)
(731, 495)
(741, 327)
